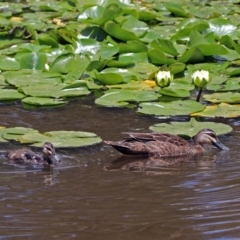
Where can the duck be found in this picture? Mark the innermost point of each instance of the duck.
(26, 156)
(164, 144)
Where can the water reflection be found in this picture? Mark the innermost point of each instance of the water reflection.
(153, 165)
(133, 199)
(157, 165)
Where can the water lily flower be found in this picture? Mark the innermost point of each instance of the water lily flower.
(47, 68)
(163, 78)
(201, 78)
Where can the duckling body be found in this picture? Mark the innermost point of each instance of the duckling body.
(26, 156)
(165, 145)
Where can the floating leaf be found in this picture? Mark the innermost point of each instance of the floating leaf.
(158, 57)
(175, 9)
(40, 101)
(15, 133)
(8, 64)
(227, 97)
(222, 110)
(61, 139)
(168, 91)
(171, 108)
(116, 31)
(222, 27)
(121, 98)
(190, 128)
(10, 94)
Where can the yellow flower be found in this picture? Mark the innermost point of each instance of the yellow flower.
(201, 78)
(163, 78)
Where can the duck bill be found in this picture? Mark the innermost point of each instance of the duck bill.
(219, 145)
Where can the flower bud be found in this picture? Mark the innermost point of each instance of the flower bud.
(46, 66)
(201, 78)
(163, 78)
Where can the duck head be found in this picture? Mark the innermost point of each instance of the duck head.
(208, 136)
(49, 154)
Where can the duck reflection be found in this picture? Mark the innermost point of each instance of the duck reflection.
(154, 164)
(157, 165)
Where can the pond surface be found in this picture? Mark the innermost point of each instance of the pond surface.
(98, 195)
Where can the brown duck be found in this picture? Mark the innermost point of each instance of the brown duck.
(165, 145)
(26, 156)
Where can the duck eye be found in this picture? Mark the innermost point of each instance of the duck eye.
(212, 135)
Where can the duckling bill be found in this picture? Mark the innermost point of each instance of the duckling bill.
(165, 145)
(26, 156)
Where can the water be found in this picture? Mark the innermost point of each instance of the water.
(99, 195)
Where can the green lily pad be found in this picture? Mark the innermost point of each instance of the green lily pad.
(15, 133)
(40, 101)
(132, 24)
(99, 14)
(165, 45)
(168, 109)
(21, 78)
(168, 91)
(118, 32)
(32, 60)
(192, 55)
(10, 94)
(222, 110)
(157, 56)
(222, 27)
(227, 97)
(9, 64)
(61, 139)
(190, 128)
(175, 9)
(121, 98)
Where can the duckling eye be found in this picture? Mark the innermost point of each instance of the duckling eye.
(49, 149)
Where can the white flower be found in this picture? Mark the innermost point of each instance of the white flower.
(201, 78)
(163, 78)
(47, 68)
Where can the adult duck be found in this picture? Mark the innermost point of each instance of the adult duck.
(165, 145)
(26, 156)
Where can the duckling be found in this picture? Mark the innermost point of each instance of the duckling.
(165, 145)
(26, 156)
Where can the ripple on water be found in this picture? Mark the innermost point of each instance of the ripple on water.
(132, 199)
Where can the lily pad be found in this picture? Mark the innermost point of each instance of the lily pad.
(118, 32)
(190, 128)
(222, 110)
(15, 133)
(40, 101)
(121, 98)
(61, 139)
(7, 63)
(227, 97)
(168, 109)
(222, 27)
(10, 94)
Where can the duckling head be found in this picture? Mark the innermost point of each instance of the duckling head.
(49, 154)
(208, 136)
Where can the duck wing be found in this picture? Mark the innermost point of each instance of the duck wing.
(159, 137)
(164, 145)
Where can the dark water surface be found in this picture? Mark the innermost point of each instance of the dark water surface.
(98, 195)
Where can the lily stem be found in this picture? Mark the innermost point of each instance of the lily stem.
(199, 94)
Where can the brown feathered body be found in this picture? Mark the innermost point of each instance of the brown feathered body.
(26, 156)
(164, 145)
